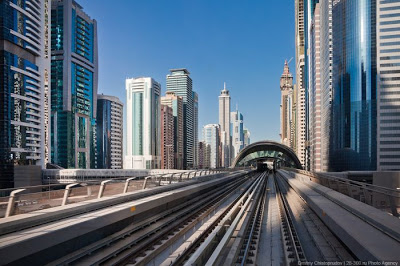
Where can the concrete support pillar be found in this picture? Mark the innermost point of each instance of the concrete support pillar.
(11, 202)
(66, 193)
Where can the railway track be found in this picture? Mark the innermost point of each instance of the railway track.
(211, 245)
(139, 243)
(322, 242)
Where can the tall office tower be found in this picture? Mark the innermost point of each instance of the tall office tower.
(326, 68)
(74, 75)
(354, 85)
(176, 103)
(225, 124)
(179, 82)
(299, 142)
(143, 136)
(211, 134)
(286, 86)
(109, 132)
(195, 129)
(246, 135)
(388, 69)
(315, 93)
(167, 137)
(237, 133)
(301, 118)
(24, 86)
(204, 155)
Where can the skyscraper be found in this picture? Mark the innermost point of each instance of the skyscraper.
(24, 86)
(225, 124)
(388, 70)
(176, 103)
(179, 82)
(246, 134)
(195, 129)
(237, 133)
(204, 155)
(143, 134)
(286, 106)
(354, 85)
(299, 142)
(74, 75)
(109, 132)
(315, 92)
(167, 137)
(326, 68)
(211, 134)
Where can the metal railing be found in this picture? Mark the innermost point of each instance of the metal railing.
(382, 198)
(15, 201)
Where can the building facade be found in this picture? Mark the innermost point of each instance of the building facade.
(204, 155)
(195, 129)
(388, 97)
(143, 136)
(286, 106)
(211, 133)
(180, 83)
(74, 77)
(225, 125)
(354, 86)
(109, 132)
(237, 133)
(246, 134)
(24, 86)
(299, 104)
(326, 68)
(176, 103)
(315, 92)
(167, 137)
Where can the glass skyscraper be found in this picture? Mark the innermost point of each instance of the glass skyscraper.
(74, 71)
(109, 132)
(354, 86)
(211, 133)
(24, 86)
(179, 82)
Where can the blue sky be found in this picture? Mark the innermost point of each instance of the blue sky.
(243, 43)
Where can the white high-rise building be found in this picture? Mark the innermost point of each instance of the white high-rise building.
(237, 133)
(211, 138)
(286, 107)
(301, 114)
(143, 131)
(388, 69)
(315, 93)
(225, 124)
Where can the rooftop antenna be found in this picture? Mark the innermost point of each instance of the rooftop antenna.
(224, 86)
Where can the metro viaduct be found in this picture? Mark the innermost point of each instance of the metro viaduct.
(243, 217)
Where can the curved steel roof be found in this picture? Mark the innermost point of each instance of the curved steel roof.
(272, 146)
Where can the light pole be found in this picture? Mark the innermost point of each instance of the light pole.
(48, 179)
